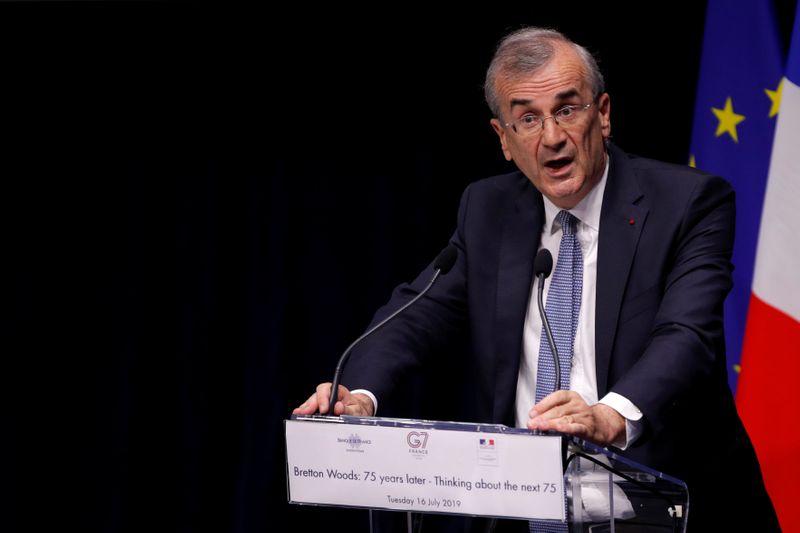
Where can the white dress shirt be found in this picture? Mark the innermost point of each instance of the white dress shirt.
(583, 377)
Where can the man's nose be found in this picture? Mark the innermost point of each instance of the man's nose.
(552, 133)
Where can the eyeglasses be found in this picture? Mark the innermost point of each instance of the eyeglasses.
(566, 116)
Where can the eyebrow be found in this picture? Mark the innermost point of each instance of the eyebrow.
(563, 95)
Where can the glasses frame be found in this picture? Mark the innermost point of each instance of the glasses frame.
(537, 131)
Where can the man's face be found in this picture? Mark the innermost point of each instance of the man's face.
(562, 161)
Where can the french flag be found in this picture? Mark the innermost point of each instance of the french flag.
(767, 395)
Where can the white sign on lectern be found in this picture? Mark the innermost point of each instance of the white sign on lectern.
(440, 467)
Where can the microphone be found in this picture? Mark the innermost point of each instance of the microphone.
(442, 265)
(542, 266)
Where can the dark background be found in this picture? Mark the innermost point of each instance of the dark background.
(202, 206)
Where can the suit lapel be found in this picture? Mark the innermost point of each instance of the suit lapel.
(520, 240)
(621, 223)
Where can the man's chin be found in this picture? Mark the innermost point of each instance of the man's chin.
(567, 193)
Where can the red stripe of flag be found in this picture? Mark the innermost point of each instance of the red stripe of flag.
(767, 402)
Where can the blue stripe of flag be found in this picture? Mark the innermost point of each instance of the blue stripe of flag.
(741, 59)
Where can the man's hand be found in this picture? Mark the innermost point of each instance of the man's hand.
(565, 411)
(348, 404)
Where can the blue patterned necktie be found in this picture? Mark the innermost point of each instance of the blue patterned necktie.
(562, 308)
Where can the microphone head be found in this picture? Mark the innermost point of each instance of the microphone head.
(543, 264)
(446, 259)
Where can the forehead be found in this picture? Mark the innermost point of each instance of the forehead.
(562, 77)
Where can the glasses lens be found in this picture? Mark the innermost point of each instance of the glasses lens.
(531, 123)
(569, 114)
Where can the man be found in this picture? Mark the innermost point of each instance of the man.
(643, 252)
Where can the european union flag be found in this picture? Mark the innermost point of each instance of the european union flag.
(737, 101)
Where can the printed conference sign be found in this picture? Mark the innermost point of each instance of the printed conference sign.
(424, 469)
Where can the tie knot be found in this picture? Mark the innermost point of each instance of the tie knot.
(567, 221)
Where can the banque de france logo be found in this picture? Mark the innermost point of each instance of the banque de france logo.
(354, 442)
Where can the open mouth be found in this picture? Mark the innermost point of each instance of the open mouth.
(558, 164)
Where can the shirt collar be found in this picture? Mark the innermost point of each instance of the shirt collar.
(587, 211)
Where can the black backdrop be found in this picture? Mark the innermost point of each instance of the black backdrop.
(202, 206)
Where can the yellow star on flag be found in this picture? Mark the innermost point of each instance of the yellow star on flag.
(727, 120)
(775, 96)
(692, 161)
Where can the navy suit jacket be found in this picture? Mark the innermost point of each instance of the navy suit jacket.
(665, 242)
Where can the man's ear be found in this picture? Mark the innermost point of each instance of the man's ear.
(501, 132)
(604, 106)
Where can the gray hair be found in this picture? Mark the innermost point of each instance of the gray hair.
(525, 51)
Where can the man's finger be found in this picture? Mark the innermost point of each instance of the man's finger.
(556, 412)
(550, 401)
(324, 397)
(308, 407)
(565, 425)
